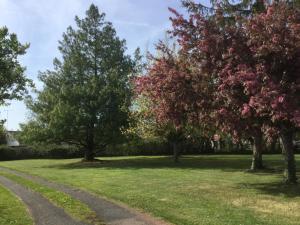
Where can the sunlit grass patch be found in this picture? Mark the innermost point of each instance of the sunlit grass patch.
(200, 190)
(12, 210)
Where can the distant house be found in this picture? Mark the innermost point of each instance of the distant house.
(11, 141)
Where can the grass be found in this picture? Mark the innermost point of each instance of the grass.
(206, 190)
(72, 206)
(12, 211)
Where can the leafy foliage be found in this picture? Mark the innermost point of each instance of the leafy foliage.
(86, 99)
(13, 82)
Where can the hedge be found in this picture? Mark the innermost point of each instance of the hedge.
(49, 152)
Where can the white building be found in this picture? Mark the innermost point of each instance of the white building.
(10, 140)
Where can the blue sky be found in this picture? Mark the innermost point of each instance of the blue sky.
(41, 23)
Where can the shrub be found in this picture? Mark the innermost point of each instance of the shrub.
(39, 152)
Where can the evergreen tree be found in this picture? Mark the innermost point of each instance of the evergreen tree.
(86, 99)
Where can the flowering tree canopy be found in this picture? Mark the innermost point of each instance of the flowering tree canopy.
(274, 40)
(254, 66)
(168, 85)
(173, 90)
(254, 63)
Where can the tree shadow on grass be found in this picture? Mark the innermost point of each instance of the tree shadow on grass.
(224, 163)
(278, 188)
(159, 163)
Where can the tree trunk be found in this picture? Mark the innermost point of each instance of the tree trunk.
(89, 152)
(240, 146)
(176, 152)
(289, 157)
(257, 145)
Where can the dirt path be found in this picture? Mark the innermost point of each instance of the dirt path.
(42, 211)
(109, 212)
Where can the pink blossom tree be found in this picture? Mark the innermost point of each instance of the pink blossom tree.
(169, 85)
(218, 49)
(254, 65)
(274, 41)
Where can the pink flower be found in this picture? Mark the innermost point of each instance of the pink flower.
(270, 10)
(252, 102)
(276, 39)
(254, 26)
(251, 86)
(246, 110)
(231, 50)
(274, 105)
(222, 111)
(281, 99)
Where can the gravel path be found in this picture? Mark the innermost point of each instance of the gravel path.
(109, 212)
(42, 211)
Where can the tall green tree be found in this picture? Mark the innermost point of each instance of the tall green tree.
(86, 98)
(13, 82)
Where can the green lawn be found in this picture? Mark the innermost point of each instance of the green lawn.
(12, 210)
(202, 190)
